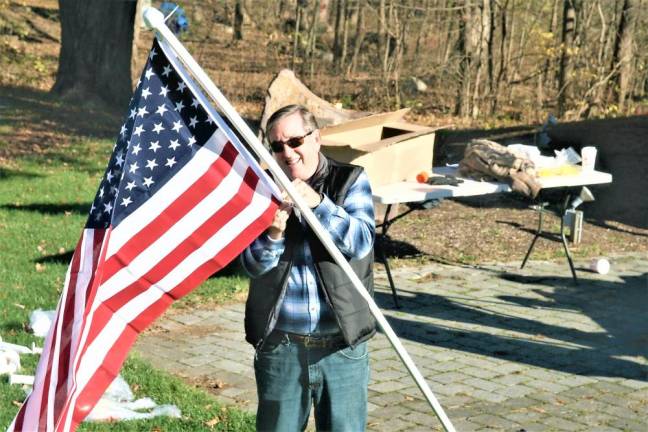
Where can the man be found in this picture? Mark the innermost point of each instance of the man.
(307, 322)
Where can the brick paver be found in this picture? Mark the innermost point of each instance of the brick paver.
(501, 348)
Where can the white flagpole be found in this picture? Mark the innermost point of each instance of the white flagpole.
(155, 19)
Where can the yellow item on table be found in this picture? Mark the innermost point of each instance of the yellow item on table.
(562, 170)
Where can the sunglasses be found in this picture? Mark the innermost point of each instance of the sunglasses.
(294, 142)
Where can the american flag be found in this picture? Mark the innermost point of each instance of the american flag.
(181, 197)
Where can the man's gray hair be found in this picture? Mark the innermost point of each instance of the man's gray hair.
(310, 123)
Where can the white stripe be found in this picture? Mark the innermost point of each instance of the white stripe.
(187, 175)
(108, 336)
(175, 235)
(86, 270)
(68, 410)
(32, 410)
(139, 266)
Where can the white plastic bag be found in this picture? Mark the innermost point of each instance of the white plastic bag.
(118, 403)
(40, 321)
(9, 362)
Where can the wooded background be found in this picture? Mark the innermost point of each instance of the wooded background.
(576, 58)
(485, 62)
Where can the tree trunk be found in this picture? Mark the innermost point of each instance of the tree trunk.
(564, 77)
(296, 34)
(467, 50)
(96, 48)
(623, 53)
(238, 21)
(312, 36)
(358, 39)
(481, 17)
(337, 41)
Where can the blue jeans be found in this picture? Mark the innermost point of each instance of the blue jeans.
(290, 378)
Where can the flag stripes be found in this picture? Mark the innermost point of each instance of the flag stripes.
(184, 223)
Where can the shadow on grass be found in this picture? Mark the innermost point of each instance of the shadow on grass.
(8, 173)
(12, 327)
(37, 124)
(561, 347)
(61, 258)
(394, 249)
(51, 209)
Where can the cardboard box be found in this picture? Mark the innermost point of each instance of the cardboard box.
(386, 146)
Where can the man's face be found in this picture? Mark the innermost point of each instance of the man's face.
(300, 162)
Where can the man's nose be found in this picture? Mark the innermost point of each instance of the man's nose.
(287, 150)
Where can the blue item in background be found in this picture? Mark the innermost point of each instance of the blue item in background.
(178, 22)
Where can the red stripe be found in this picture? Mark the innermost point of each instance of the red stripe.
(194, 194)
(66, 361)
(176, 256)
(100, 236)
(114, 359)
(66, 330)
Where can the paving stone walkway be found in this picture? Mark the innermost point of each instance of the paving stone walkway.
(501, 348)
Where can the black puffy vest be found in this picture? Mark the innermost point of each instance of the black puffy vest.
(350, 309)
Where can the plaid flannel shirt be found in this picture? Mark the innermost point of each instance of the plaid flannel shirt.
(352, 227)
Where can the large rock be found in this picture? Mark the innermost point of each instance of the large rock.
(286, 89)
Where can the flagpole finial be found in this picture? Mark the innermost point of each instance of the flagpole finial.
(153, 18)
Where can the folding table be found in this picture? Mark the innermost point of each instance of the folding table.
(421, 193)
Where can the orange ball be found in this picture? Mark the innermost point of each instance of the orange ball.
(422, 177)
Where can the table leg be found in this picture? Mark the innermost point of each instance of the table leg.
(537, 234)
(381, 250)
(564, 239)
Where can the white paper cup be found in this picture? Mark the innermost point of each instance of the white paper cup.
(588, 155)
(600, 266)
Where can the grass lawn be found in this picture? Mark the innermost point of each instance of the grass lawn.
(44, 199)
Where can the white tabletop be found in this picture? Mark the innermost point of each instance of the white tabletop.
(402, 192)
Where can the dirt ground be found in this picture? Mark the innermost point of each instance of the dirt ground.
(499, 228)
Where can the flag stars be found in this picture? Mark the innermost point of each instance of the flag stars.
(109, 176)
(152, 54)
(101, 192)
(130, 186)
(136, 149)
(174, 144)
(161, 109)
(150, 164)
(155, 145)
(179, 106)
(133, 167)
(177, 125)
(194, 103)
(133, 113)
(123, 130)
(142, 112)
(120, 159)
(192, 121)
(126, 201)
(166, 71)
(181, 86)
(138, 130)
(148, 181)
(146, 93)
(108, 207)
(170, 162)
(149, 73)
(158, 128)
(163, 91)
(192, 141)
